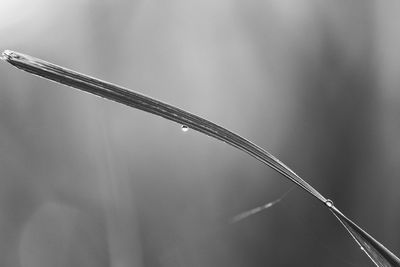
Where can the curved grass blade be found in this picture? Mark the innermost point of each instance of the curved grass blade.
(148, 104)
(380, 255)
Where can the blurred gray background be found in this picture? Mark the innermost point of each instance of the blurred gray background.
(86, 182)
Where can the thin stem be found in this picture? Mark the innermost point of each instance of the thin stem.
(251, 212)
(378, 254)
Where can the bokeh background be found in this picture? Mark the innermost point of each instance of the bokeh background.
(86, 182)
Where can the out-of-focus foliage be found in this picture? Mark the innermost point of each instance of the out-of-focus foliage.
(75, 190)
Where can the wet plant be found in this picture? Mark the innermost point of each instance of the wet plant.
(378, 253)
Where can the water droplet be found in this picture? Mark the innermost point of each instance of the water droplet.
(329, 203)
(362, 248)
(184, 128)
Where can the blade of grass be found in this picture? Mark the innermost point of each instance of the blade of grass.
(380, 255)
(151, 105)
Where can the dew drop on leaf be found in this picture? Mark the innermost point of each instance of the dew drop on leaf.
(329, 203)
(184, 128)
